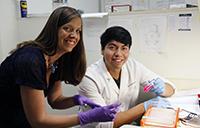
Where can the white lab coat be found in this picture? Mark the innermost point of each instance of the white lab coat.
(99, 85)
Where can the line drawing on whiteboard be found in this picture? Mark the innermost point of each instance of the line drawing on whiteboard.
(152, 34)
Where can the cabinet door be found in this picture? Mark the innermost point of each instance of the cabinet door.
(39, 7)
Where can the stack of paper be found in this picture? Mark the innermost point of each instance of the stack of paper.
(187, 100)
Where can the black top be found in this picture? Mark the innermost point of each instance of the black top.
(25, 67)
(117, 81)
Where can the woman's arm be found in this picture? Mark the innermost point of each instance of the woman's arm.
(34, 106)
(90, 89)
(56, 100)
(128, 116)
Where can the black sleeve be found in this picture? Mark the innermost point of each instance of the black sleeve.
(30, 70)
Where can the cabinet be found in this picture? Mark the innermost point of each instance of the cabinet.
(45, 7)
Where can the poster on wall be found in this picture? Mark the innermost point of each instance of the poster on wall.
(152, 34)
(184, 21)
(181, 22)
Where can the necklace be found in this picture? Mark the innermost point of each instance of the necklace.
(53, 67)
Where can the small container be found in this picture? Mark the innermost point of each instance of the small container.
(23, 8)
(160, 118)
(148, 85)
(147, 88)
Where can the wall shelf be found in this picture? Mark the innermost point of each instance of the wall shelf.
(94, 15)
(154, 11)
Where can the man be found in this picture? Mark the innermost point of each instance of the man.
(116, 77)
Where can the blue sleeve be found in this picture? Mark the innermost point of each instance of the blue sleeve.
(30, 70)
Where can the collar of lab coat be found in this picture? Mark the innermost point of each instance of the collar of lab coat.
(123, 81)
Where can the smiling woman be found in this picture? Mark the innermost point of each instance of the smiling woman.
(35, 70)
(69, 35)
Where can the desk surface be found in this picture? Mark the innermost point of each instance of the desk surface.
(129, 126)
(187, 100)
(184, 99)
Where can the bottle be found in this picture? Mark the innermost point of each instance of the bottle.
(23, 8)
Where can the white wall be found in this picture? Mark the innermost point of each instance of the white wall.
(1, 53)
(8, 27)
(29, 28)
(88, 6)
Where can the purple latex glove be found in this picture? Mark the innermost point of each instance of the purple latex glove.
(99, 114)
(157, 102)
(82, 100)
(158, 86)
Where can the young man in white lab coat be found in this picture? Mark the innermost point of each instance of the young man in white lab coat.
(116, 77)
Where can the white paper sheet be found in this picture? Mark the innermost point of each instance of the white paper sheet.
(93, 27)
(185, 20)
(187, 100)
(152, 34)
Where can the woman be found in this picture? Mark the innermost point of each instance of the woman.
(116, 77)
(35, 70)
